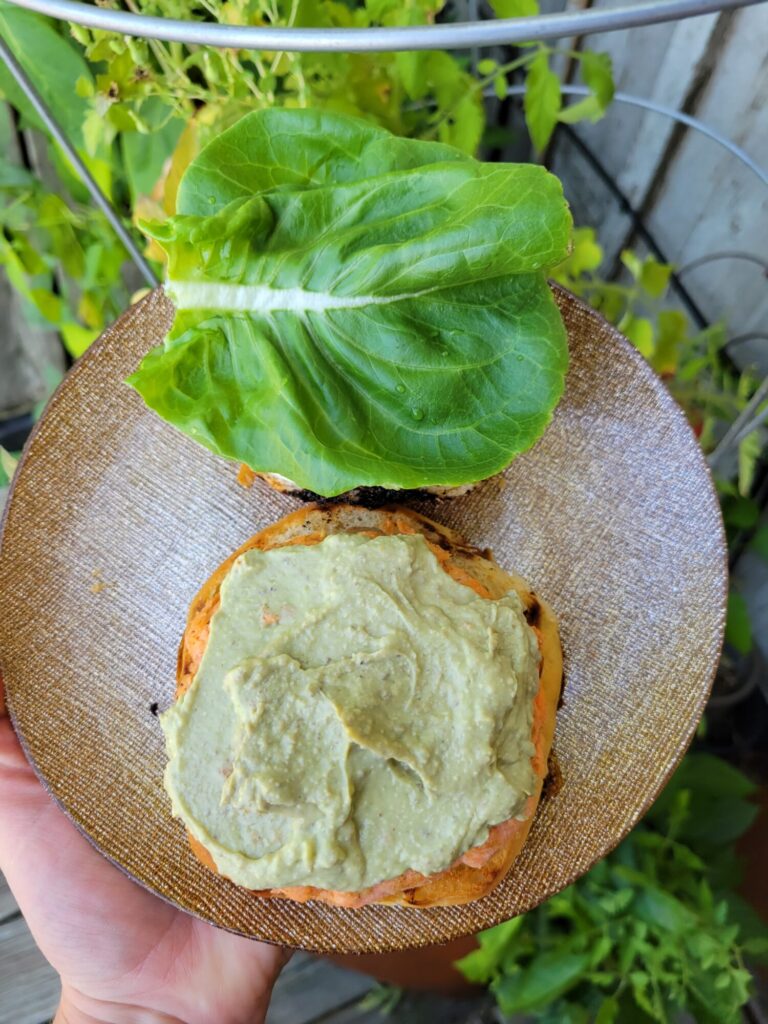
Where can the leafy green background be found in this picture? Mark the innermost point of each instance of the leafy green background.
(655, 929)
(138, 111)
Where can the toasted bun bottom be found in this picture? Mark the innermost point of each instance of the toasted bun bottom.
(369, 495)
(481, 868)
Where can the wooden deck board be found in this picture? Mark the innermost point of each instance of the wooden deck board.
(313, 989)
(29, 986)
(7, 902)
(415, 1008)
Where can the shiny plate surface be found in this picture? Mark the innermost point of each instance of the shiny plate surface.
(115, 520)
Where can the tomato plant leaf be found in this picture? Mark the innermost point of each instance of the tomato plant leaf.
(548, 977)
(54, 65)
(543, 100)
(514, 8)
(597, 72)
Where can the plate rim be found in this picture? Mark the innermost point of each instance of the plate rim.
(670, 406)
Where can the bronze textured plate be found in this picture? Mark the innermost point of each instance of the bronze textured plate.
(115, 520)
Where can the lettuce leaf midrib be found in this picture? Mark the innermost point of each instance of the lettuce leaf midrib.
(274, 253)
(305, 315)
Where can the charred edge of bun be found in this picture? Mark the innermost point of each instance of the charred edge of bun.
(368, 497)
(461, 882)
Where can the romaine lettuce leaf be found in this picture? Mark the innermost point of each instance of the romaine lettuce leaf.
(357, 309)
(297, 149)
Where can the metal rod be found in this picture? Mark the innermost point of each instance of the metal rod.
(739, 339)
(735, 254)
(493, 32)
(749, 419)
(675, 115)
(82, 171)
(757, 421)
(638, 223)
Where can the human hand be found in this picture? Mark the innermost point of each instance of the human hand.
(124, 956)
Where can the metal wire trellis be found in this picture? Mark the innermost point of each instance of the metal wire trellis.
(463, 35)
(670, 112)
(752, 416)
(59, 135)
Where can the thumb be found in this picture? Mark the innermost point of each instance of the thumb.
(11, 754)
(22, 798)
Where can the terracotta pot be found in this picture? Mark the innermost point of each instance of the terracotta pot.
(430, 969)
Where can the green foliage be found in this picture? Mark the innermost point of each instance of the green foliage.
(8, 463)
(713, 810)
(651, 932)
(543, 100)
(211, 89)
(760, 542)
(384, 998)
(711, 392)
(138, 111)
(61, 258)
(738, 628)
(597, 74)
(53, 62)
(144, 154)
(305, 216)
(59, 253)
(215, 88)
(515, 8)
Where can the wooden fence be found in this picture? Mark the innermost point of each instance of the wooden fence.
(694, 196)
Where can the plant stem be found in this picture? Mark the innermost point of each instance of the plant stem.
(155, 46)
(479, 84)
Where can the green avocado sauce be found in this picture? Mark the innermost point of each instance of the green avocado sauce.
(357, 713)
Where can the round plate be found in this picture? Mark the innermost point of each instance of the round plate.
(115, 520)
